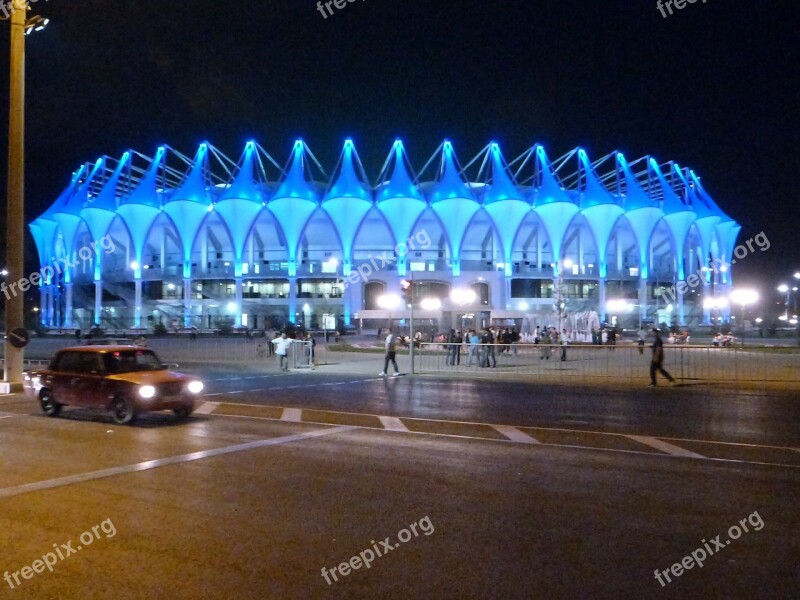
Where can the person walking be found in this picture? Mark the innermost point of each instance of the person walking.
(459, 341)
(282, 345)
(657, 362)
(642, 334)
(545, 341)
(311, 344)
(391, 356)
(564, 344)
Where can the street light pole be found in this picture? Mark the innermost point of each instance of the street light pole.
(411, 326)
(13, 364)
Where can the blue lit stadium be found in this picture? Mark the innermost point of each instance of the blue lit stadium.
(205, 240)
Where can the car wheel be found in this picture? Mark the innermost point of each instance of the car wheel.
(123, 410)
(183, 412)
(49, 405)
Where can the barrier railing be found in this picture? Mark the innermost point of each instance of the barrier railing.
(184, 350)
(622, 362)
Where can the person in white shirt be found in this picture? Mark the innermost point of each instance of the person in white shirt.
(282, 345)
(390, 356)
(642, 337)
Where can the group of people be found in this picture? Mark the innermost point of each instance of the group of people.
(483, 346)
(605, 336)
(549, 337)
(723, 340)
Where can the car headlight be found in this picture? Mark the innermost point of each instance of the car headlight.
(196, 387)
(147, 391)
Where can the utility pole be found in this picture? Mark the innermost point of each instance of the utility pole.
(411, 326)
(15, 226)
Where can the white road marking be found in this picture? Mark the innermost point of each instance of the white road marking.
(393, 424)
(515, 435)
(163, 462)
(207, 408)
(664, 446)
(294, 415)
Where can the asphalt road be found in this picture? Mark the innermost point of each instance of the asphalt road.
(514, 490)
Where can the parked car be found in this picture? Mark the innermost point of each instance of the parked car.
(126, 380)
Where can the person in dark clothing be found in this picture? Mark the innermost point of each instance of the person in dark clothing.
(491, 356)
(487, 349)
(459, 340)
(514, 339)
(452, 349)
(612, 338)
(657, 362)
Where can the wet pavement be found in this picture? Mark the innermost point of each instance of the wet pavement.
(514, 490)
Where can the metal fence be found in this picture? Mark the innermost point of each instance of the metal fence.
(184, 350)
(623, 363)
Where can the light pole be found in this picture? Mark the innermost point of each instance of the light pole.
(744, 297)
(784, 289)
(13, 364)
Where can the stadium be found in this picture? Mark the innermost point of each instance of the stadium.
(206, 240)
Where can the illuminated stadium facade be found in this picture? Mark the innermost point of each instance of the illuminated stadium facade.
(203, 240)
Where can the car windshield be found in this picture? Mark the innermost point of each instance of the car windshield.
(129, 361)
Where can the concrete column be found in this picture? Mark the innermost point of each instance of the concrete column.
(204, 252)
(601, 299)
(581, 265)
(353, 301)
(643, 300)
(292, 299)
(53, 302)
(239, 300)
(187, 302)
(43, 305)
(137, 302)
(163, 252)
(681, 310)
(538, 249)
(68, 307)
(51, 290)
(98, 301)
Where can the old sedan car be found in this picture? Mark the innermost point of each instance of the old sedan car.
(126, 380)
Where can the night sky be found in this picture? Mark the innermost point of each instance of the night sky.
(714, 87)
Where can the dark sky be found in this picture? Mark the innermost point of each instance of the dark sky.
(714, 86)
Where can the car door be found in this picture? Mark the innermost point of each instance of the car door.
(59, 378)
(88, 388)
